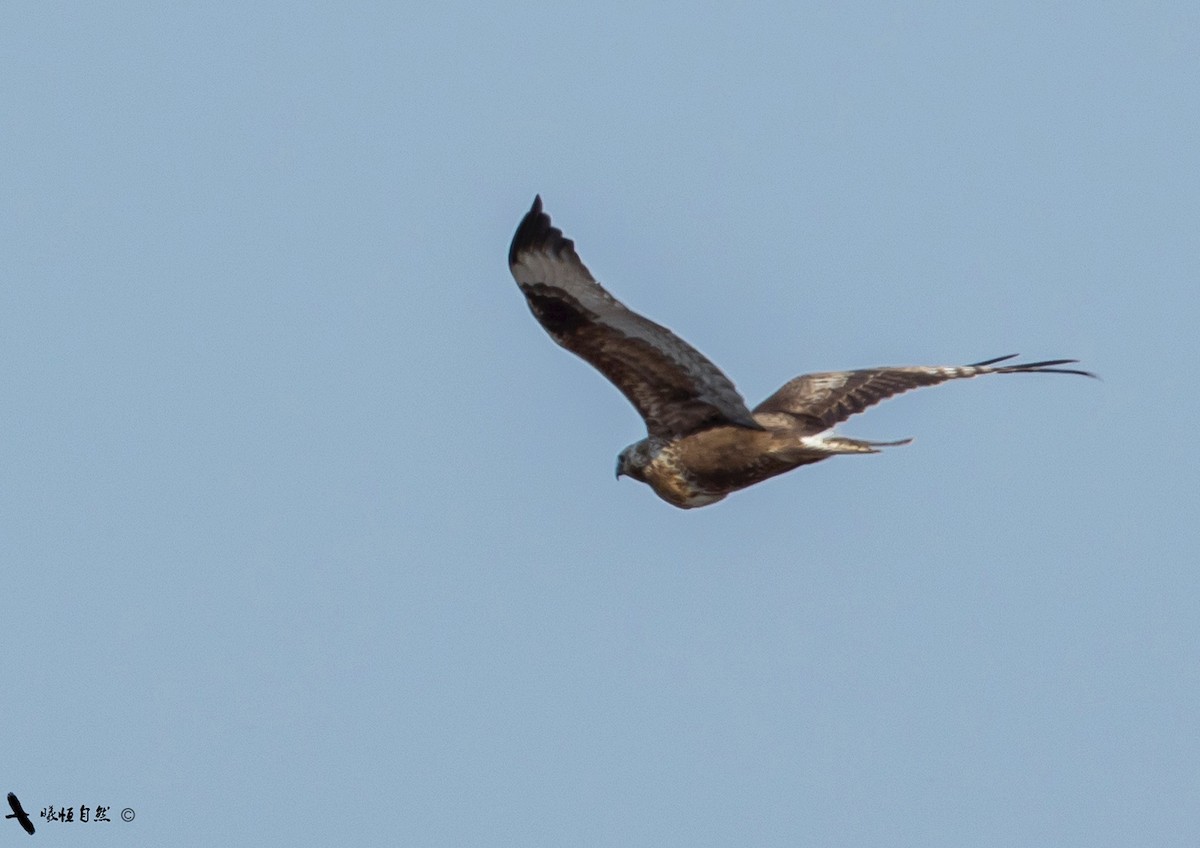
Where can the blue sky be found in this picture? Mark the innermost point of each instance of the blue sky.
(310, 534)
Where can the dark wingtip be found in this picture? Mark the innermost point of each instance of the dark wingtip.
(535, 231)
(987, 362)
(1046, 366)
(1078, 371)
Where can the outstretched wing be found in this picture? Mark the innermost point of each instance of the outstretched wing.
(823, 400)
(673, 386)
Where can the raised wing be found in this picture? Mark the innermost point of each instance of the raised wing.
(673, 386)
(823, 400)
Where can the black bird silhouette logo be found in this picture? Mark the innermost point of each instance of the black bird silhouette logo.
(19, 814)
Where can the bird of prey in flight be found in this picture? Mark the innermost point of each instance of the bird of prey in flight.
(702, 442)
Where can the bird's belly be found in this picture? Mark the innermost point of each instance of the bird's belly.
(703, 468)
(698, 499)
(730, 458)
(676, 489)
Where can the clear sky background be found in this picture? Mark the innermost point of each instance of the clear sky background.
(309, 533)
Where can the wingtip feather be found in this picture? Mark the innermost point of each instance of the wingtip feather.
(988, 362)
(1047, 366)
(535, 227)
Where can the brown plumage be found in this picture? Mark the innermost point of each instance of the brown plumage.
(702, 442)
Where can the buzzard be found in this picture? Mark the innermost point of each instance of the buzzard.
(702, 442)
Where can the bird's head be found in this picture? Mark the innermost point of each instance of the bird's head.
(632, 461)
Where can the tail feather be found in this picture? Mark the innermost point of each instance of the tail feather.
(844, 444)
(896, 444)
